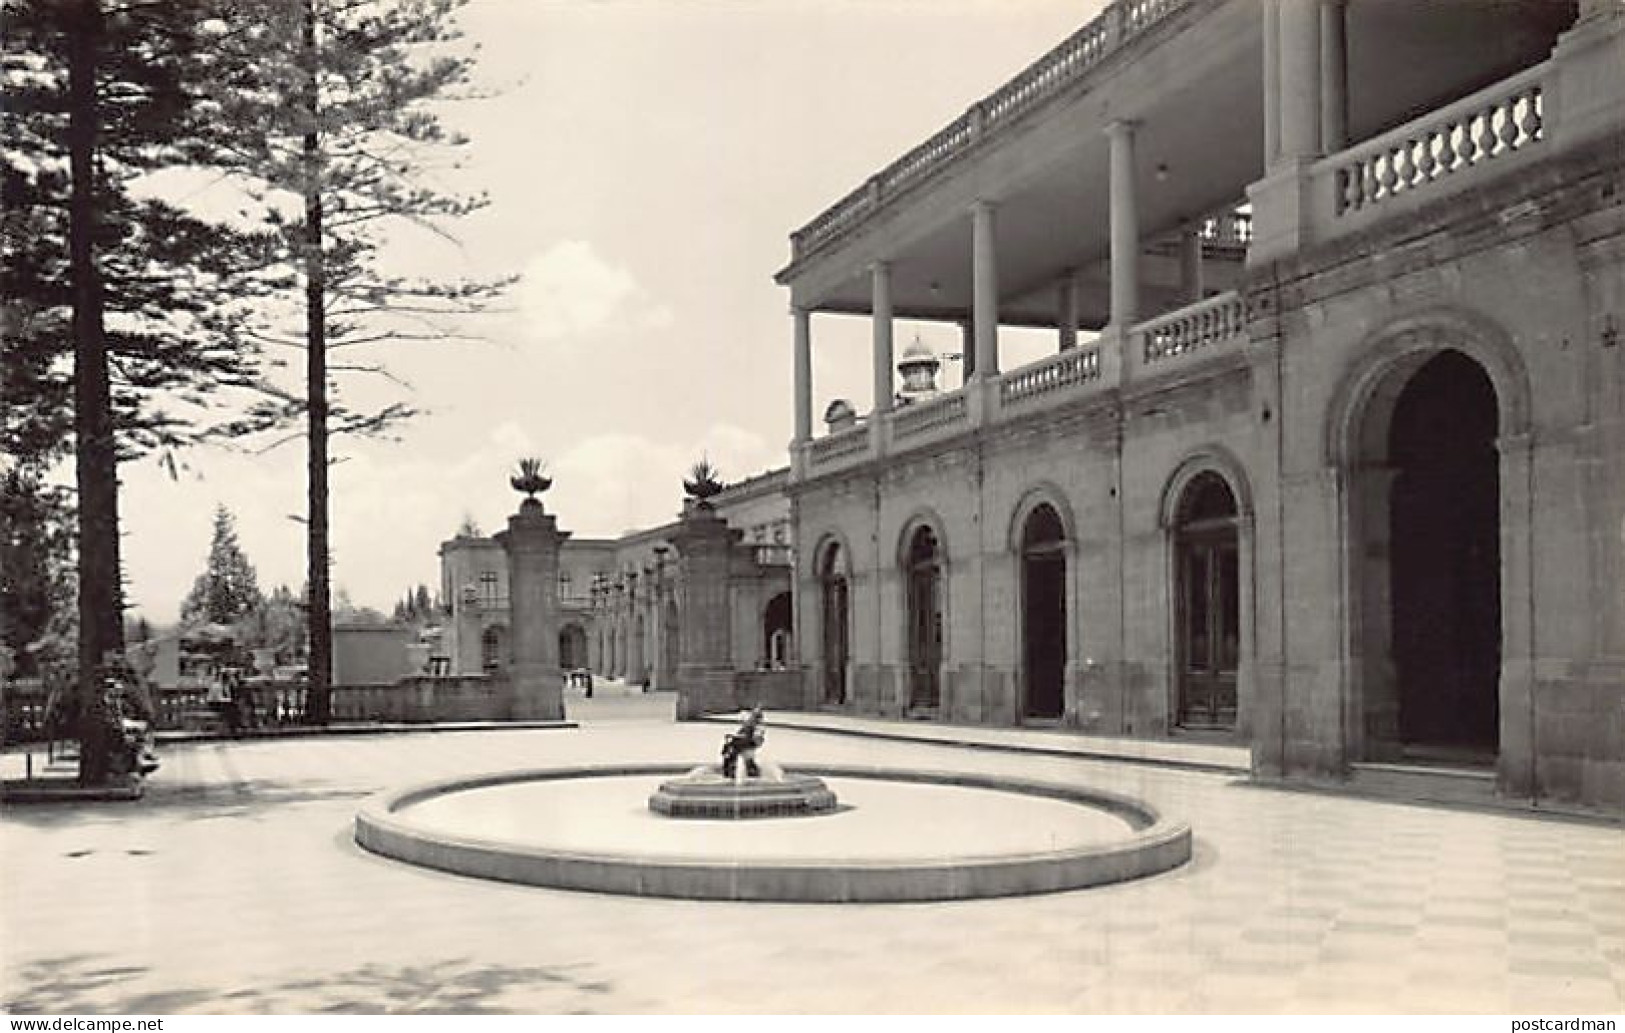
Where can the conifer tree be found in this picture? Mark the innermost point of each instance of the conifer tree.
(335, 103)
(112, 324)
(227, 590)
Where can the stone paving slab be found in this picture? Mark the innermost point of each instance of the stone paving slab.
(235, 887)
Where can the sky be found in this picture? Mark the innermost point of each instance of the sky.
(646, 162)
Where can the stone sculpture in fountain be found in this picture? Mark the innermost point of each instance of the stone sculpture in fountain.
(742, 786)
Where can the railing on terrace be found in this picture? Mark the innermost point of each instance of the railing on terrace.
(1218, 320)
(1116, 27)
(923, 417)
(1499, 120)
(1056, 373)
(839, 446)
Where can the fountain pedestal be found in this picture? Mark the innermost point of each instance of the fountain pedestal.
(706, 792)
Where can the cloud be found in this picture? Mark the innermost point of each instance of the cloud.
(570, 291)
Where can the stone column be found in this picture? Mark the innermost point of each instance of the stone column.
(1066, 302)
(1299, 86)
(882, 318)
(985, 295)
(1190, 261)
(803, 385)
(1283, 204)
(705, 670)
(1334, 100)
(1272, 82)
(535, 687)
(1125, 228)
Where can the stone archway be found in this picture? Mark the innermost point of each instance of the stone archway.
(572, 647)
(1429, 494)
(924, 580)
(776, 625)
(834, 597)
(1368, 408)
(1207, 604)
(1043, 612)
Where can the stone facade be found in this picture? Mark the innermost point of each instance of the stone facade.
(1364, 505)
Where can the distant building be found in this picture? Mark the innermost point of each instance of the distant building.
(619, 598)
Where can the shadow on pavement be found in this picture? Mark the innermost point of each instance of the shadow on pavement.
(251, 799)
(88, 984)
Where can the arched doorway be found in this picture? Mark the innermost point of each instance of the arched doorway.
(1207, 569)
(1043, 612)
(924, 576)
(776, 631)
(572, 647)
(834, 608)
(1445, 559)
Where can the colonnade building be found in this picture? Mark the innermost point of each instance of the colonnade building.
(1329, 458)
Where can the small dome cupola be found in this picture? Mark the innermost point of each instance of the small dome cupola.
(918, 368)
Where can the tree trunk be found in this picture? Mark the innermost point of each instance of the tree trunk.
(321, 625)
(96, 460)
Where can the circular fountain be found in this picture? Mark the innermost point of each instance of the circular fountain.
(897, 835)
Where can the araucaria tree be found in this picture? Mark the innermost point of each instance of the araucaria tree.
(227, 590)
(340, 137)
(114, 305)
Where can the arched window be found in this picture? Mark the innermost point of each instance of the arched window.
(834, 607)
(924, 604)
(1208, 599)
(776, 631)
(1043, 612)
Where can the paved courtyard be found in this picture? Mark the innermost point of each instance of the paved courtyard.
(234, 887)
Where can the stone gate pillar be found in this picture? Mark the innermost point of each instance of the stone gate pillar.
(705, 673)
(532, 543)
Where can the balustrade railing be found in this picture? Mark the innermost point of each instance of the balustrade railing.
(1217, 320)
(1056, 373)
(923, 417)
(1116, 27)
(1138, 15)
(839, 446)
(1506, 117)
(919, 162)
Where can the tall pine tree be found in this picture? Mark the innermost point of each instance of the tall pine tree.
(335, 101)
(115, 321)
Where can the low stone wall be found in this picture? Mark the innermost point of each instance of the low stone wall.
(421, 700)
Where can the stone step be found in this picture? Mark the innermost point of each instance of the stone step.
(1430, 782)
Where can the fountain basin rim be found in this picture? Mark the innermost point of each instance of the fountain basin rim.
(1156, 844)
